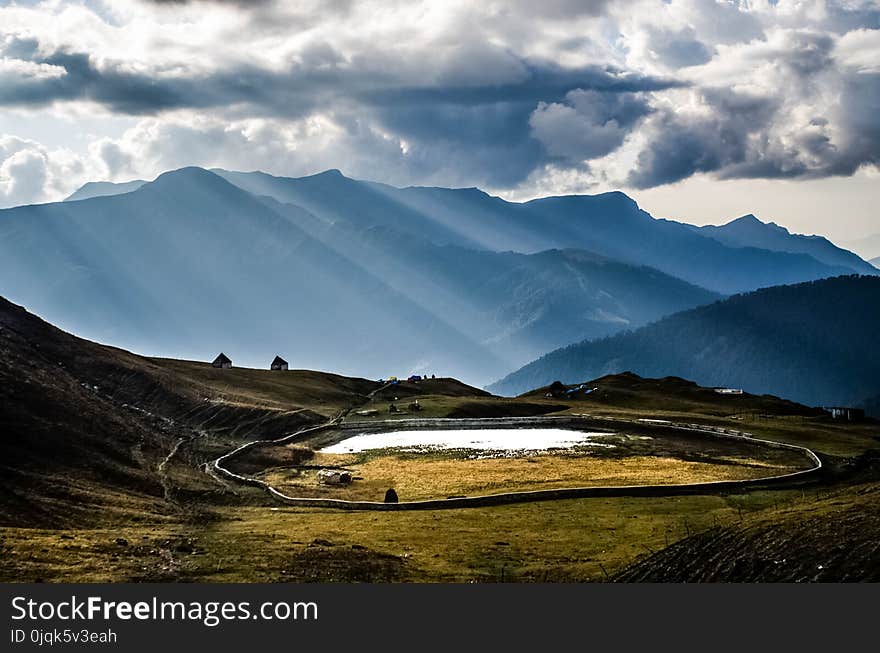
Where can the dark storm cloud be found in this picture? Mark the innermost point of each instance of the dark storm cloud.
(588, 124)
(545, 82)
(679, 49)
(80, 80)
(490, 124)
(845, 17)
(683, 146)
(734, 143)
(860, 118)
(293, 91)
(291, 94)
(808, 53)
(487, 123)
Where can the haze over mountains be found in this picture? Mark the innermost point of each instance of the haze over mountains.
(190, 264)
(367, 279)
(811, 342)
(608, 224)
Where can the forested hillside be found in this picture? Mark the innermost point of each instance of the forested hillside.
(810, 342)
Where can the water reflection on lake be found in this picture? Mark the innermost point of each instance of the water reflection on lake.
(483, 439)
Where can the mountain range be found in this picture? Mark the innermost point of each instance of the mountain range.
(810, 342)
(190, 264)
(368, 279)
(609, 224)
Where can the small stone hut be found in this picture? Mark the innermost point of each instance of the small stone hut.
(334, 477)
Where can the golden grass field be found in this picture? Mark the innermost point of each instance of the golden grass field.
(570, 540)
(431, 476)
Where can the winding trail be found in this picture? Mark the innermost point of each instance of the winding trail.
(707, 487)
(160, 469)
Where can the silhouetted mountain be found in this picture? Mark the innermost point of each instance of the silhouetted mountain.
(190, 264)
(813, 342)
(104, 189)
(748, 231)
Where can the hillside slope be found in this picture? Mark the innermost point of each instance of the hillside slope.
(813, 343)
(830, 540)
(84, 428)
(632, 392)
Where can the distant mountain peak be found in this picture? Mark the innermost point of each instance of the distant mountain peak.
(188, 176)
(92, 189)
(186, 171)
(332, 173)
(747, 218)
(751, 220)
(749, 231)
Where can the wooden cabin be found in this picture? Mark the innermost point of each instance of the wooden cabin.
(222, 361)
(278, 364)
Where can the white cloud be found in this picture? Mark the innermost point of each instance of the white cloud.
(31, 173)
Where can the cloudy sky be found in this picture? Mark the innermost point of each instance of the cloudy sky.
(702, 110)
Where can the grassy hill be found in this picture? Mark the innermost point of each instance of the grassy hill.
(102, 479)
(830, 537)
(84, 424)
(668, 394)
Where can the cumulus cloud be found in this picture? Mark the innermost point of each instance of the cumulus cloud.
(30, 172)
(789, 109)
(508, 96)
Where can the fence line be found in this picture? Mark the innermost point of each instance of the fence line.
(524, 496)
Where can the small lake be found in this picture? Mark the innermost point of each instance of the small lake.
(482, 439)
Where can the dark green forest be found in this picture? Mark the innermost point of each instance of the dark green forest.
(814, 342)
